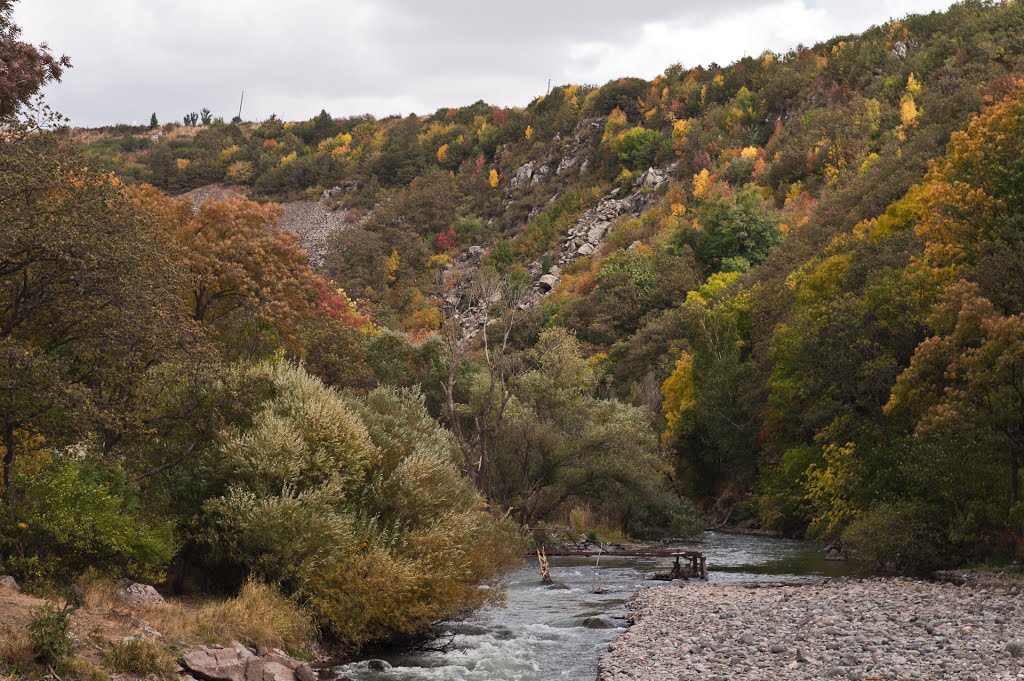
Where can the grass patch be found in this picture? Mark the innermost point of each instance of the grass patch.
(82, 670)
(258, 616)
(137, 656)
(16, 651)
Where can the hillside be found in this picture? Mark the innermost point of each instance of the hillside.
(758, 170)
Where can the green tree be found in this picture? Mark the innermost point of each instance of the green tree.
(735, 232)
(969, 377)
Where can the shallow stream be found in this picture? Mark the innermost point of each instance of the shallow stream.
(538, 634)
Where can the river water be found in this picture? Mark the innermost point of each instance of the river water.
(538, 634)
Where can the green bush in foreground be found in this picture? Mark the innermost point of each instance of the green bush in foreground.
(48, 632)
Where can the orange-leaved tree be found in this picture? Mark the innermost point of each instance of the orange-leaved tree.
(243, 267)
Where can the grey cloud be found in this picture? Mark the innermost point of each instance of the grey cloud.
(135, 56)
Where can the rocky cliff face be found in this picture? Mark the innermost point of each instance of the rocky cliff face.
(584, 239)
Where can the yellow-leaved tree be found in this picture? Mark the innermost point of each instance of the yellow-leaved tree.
(677, 395)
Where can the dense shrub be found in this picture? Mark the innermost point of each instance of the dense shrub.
(357, 508)
(904, 536)
(49, 632)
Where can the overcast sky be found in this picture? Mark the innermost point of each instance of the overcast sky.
(296, 57)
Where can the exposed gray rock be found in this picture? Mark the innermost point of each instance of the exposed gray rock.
(239, 663)
(263, 669)
(8, 582)
(378, 665)
(521, 178)
(217, 664)
(306, 673)
(138, 594)
(547, 282)
(652, 178)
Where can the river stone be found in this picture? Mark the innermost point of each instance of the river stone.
(600, 622)
(747, 638)
(378, 665)
(1015, 648)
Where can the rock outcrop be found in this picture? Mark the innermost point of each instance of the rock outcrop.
(584, 239)
(239, 663)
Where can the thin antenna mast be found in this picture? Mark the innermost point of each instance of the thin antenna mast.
(240, 105)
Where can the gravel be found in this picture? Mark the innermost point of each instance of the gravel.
(314, 224)
(874, 629)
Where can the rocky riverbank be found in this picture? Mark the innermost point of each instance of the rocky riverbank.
(878, 629)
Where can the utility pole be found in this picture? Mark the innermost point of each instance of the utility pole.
(240, 105)
(549, 88)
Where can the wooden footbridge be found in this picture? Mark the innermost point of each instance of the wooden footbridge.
(686, 564)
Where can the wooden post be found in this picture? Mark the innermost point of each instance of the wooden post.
(545, 567)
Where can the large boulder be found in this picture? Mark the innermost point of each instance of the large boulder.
(8, 582)
(521, 178)
(547, 282)
(263, 669)
(138, 594)
(601, 622)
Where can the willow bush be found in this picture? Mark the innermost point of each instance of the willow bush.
(355, 507)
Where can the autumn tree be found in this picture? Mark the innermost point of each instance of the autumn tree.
(969, 378)
(478, 425)
(243, 267)
(26, 67)
(972, 201)
(89, 298)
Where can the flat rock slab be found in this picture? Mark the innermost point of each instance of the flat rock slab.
(238, 663)
(884, 629)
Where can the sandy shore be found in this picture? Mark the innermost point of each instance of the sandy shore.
(875, 629)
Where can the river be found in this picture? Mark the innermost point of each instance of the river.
(538, 634)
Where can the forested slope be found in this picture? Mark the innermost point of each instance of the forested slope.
(773, 306)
